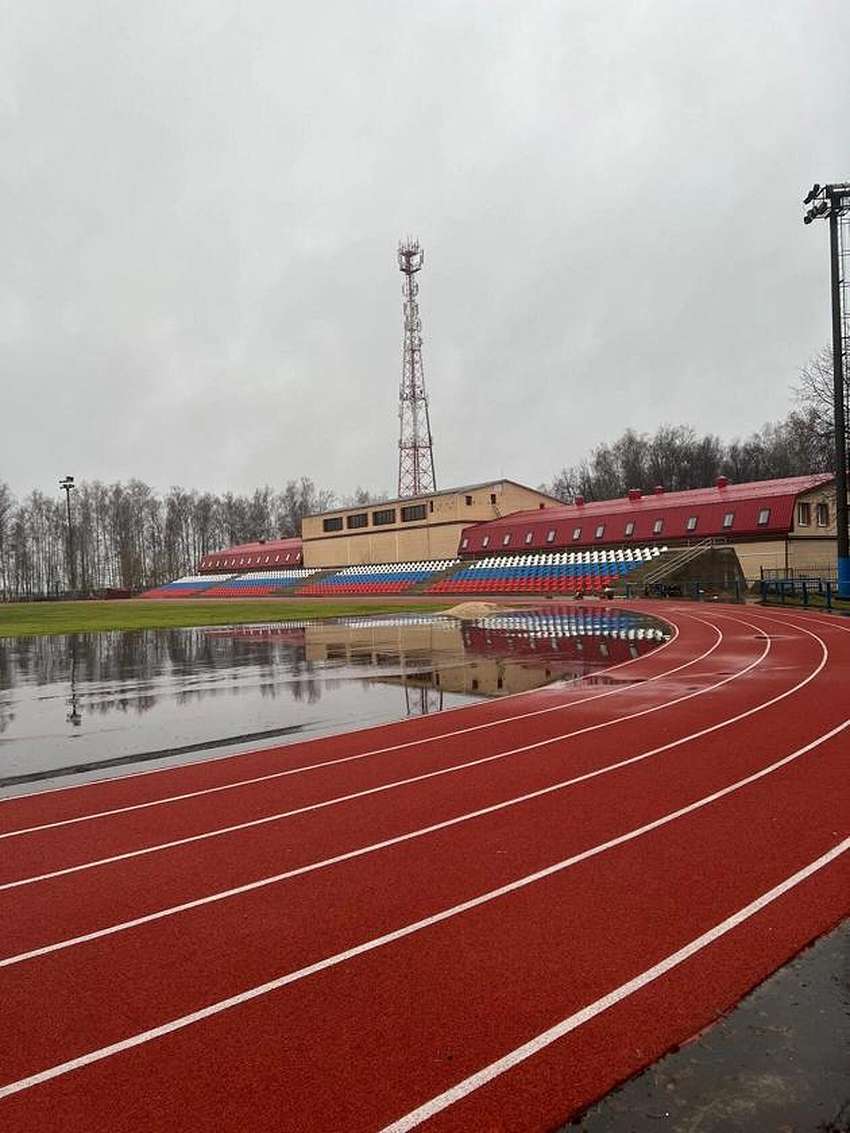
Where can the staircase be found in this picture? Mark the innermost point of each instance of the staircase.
(674, 561)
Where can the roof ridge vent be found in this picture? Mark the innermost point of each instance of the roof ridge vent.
(722, 482)
(579, 501)
(658, 489)
(634, 494)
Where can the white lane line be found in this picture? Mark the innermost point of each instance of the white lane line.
(246, 996)
(560, 707)
(362, 851)
(402, 720)
(475, 1081)
(383, 787)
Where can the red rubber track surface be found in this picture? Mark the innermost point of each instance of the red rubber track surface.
(439, 905)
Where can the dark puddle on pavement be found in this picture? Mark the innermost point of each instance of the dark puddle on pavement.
(778, 1063)
(88, 705)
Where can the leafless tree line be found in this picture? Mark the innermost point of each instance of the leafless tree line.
(677, 457)
(125, 536)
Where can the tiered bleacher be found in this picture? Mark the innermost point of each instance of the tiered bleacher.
(377, 578)
(259, 583)
(188, 586)
(563, 572)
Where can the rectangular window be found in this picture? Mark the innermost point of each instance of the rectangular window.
(658, 526)
(383, 517)
(334, 524)
(464, 544)
(600, 530)
(764, 517)
(630, 527)
(692, 523)
(469, 501)
(804, 514)
(430, 505)
(492, 497)
(506, 540)
(550, 536)
(576, 534)
(822, 514)
(529, 535)
(415, 511)
(728, 519)
(485, 542)
(359, 520)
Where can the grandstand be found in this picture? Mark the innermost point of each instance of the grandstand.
(564, 572)
(380, 578)
(522, 541)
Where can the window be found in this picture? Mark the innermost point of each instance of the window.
(576, 534)
(430, 505)
(384, 516)
(277, 558)
(764, 517)
(658, 526)
(464, 544)
(485, 542)
(506, 540)
(268, 558)
(469, 501)
(728, 519)
(692, 523)
(415, 511)
(361, 519)
(492, 497)
(600, 530)
(287, 556)
(630, 527)
(550, 535)
(804, 514)
(822, 515)
(529, 535)
(334, 524)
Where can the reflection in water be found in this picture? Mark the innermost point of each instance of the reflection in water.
(125, 697)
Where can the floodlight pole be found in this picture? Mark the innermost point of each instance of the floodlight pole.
(833, 202)
(841, 519)
(67, 486)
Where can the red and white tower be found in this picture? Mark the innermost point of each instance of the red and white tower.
(416, 476)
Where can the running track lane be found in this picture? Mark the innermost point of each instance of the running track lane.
(378, 1035)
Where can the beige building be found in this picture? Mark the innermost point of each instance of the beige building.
(411, 530)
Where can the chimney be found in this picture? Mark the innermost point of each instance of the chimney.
(659, 489)
(721, 482)
(634, 494)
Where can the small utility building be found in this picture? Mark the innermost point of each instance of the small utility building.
(412, 530)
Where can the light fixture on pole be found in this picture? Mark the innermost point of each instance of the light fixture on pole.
(67, 486)
(832, 202)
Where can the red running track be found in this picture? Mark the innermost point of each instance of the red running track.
(479, 920)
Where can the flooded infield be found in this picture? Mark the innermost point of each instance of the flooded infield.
(88, 706)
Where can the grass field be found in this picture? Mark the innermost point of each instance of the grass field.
(26, 619)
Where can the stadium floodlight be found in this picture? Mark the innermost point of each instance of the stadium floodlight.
(833, 203)
(67, 486)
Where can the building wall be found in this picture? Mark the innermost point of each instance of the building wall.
(436, 536)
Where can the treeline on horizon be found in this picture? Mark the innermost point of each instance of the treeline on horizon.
(126, 536)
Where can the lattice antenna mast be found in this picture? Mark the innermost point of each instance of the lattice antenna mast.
(416, 476)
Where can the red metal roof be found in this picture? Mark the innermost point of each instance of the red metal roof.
(274, 553)
(577, 525)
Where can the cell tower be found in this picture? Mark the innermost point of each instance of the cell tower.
(416, 476)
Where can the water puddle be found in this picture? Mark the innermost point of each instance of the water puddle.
(82, 706)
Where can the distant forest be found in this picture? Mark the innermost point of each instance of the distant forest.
(126, 536)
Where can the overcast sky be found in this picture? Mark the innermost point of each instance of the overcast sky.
(201, 202)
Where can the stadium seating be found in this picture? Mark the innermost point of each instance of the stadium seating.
(259, 583)
(187, 587)
(561, 572)
(379, 578)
